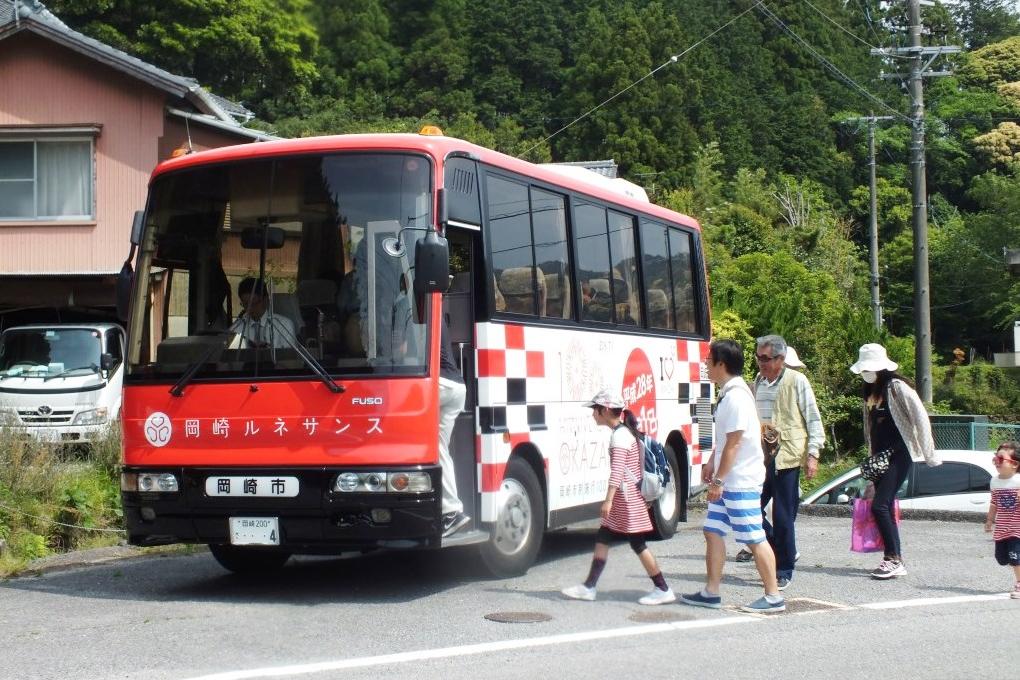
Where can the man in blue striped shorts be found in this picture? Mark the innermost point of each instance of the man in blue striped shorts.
(735, 476)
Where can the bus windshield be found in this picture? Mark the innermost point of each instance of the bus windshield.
(44, 353)
(253, 267)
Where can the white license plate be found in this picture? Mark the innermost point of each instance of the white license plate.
(47, 434)
(254, 531)
(258, 487)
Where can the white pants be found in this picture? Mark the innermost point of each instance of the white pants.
(451, 403)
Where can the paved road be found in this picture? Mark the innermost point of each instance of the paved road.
(422, 616)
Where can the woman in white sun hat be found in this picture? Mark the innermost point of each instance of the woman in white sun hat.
(898, 433)
(792, 360)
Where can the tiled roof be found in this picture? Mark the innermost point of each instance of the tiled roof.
(31, 15)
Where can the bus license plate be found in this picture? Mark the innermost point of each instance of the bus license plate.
(254, 531)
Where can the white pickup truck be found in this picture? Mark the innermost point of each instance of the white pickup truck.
(61, 383)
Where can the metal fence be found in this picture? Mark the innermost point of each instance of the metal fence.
(973, 436)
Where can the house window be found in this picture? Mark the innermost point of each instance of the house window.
(46, 179)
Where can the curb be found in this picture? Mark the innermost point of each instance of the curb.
(847, 511)
(97, 556)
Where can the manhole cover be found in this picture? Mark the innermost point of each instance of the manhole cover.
(801, 605)
(660, 616)
(518, 617)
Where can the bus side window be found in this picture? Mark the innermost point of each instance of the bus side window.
(656, 273)
(591, 243)
(549, 224)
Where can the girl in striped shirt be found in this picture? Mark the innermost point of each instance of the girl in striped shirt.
(1004, 511)
(624, 513)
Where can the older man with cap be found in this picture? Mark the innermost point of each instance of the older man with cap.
(787, 403)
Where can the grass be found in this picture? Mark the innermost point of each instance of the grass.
(57, 499)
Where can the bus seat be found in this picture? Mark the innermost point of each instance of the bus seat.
(497, 296)
(557, 295)
(658, 308)
(518, 287)
(287, 305)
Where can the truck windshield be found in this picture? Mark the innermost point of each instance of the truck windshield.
(247, 265)
(43, 353)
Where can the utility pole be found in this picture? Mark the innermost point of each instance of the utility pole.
(876, 303)
(915, 87)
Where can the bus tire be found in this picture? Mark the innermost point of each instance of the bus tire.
(516, 535)
(665, 512)
(242, 560)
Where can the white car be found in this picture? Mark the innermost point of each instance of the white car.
(959, 484)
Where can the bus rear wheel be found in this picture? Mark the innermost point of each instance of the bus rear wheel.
(516, 535)
(242, 560)
(666, 511)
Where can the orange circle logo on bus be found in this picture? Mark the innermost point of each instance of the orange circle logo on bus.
(638, 391)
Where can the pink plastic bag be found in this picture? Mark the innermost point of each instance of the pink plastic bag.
(865, 537)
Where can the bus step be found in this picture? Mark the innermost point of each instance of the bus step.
(466, 537)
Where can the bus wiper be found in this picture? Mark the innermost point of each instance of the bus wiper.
(178, 388)
(310, 361)
(91, 367)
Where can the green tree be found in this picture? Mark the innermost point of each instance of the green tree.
(981, 22)
(257, 51)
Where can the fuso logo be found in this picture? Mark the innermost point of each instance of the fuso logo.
(639, 391)
(158, 429)
(367, 401)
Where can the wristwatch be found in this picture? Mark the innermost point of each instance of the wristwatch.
(716, 482)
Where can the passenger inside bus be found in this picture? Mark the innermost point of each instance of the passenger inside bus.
(596, 300)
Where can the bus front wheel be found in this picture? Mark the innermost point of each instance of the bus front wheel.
(666, 511)
(248, 560)
(516, 534)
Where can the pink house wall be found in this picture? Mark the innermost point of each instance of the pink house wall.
(46, 84)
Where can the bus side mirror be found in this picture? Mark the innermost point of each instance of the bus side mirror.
(125, 280)
(431, 265)
(136, 228)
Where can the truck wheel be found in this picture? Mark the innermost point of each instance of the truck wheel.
(666, 511)
(517, 532)
(242, 560)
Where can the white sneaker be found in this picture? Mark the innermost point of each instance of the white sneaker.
(579, 592)
(658, 597)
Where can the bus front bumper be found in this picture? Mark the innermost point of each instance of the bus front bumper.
(317, 520)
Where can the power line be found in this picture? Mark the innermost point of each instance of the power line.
(672, 60)
(828, 64)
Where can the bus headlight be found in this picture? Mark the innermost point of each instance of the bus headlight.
(348, 481)
(149, 482)
(414, 481)
(8, 417)
(96, 416)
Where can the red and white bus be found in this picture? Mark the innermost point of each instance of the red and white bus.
(322, 438)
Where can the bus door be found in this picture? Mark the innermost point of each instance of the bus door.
(459, 312)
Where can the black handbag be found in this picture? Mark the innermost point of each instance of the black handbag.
(876, 465)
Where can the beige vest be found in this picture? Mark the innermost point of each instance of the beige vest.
(787, 418)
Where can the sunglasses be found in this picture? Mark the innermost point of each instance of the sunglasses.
(999, 459)
(762, 358)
